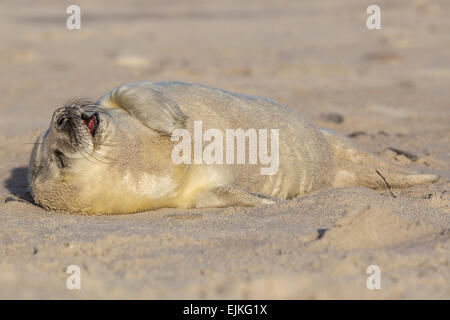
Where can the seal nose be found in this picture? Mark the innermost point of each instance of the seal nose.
(64, 116)
(61, 122)
(61, 118)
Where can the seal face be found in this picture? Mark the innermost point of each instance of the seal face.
(76, 134)
(114, 155)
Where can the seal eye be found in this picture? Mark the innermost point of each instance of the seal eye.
(90, 122)
(59, 155)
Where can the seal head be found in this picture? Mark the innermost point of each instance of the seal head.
(76, 134)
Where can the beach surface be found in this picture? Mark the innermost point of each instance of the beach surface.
(388, 89)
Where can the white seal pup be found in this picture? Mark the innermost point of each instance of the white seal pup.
(116, 155)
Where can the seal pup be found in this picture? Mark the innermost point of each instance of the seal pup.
(114, 155)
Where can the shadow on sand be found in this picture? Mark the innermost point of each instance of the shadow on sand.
(17, 184)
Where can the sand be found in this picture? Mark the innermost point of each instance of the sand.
(386, 88)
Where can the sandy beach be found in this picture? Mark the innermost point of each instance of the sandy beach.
(387, 89)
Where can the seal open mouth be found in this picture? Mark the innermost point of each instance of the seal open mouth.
(91, 122)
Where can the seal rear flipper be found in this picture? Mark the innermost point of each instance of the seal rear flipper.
(356, 167)
(147, 103)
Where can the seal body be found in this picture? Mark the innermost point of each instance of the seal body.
(116, 155)
(304, 151)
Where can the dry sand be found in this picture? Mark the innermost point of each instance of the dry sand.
(391, 87)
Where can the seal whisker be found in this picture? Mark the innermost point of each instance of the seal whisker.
(90, 156)
(93, 154)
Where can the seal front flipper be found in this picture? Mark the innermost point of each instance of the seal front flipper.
(147, 103)
(231, 196)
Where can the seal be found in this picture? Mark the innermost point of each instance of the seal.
(114, 155)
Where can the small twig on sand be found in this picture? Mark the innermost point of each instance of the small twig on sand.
(387, 184)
